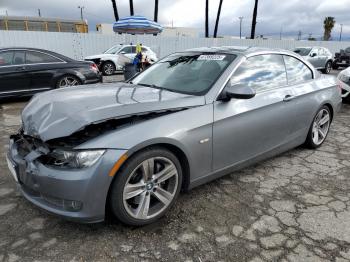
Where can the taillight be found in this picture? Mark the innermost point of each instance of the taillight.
(94, 67)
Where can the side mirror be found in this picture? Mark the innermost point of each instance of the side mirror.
(313, 54)
(237, 91)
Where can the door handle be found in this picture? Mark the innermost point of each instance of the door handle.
(288, 98)
(21, 68)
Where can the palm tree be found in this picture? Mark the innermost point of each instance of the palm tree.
(207, 18)
(217, 19)
(115, 10)
(131, 4)
(255, 14)
(328, 25)
(155, 10)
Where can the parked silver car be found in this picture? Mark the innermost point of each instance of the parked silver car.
(320, 57)
(190, 118)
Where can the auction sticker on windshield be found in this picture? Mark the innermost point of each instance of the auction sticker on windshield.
(211, 57)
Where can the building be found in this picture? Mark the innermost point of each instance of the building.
(105, 29)
(180, 31)
(24, 23)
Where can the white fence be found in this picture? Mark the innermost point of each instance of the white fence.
(80, 45)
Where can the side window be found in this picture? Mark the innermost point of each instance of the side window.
(297, 71)
(262, 72)
(144, 50)
(133, 49)
(18, 58)
(33, 57)
(315, 51)
(126, 50)
(6, 58)
(321, 51)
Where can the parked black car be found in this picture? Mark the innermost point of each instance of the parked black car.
(342, 59)
(25, 71)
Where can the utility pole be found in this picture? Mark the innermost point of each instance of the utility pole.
(281, 33)
(81, 12)
(341, 31)
(7, 14)
(240, 26)
(299, 35)
(39, 13)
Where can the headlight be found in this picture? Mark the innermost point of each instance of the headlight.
(75, 159)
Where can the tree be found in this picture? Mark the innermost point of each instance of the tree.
(115, 10)
(217, 19)
(206, 18)
(131, 4)
(255, 14)
(155, 10)
(328, 25)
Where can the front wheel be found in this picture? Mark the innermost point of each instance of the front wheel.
(146, 187)
(319, 128)
(108, 68)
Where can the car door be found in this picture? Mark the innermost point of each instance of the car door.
(300, 79)
(314, 58)
(42, 68)
(14, 76)
(322, 57)
(245, 129)
(127, 51)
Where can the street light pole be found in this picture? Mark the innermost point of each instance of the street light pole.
(240, 26)
(81, 12)
(341, 31)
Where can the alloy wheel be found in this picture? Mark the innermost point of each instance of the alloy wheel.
(328, 67)
(68, 81)
(108, 68)
(150, 188)
(320, 126)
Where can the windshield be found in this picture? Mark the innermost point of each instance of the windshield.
(113, 49)
(302, 51)
(189, 73)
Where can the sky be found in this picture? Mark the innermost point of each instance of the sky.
(274, 16)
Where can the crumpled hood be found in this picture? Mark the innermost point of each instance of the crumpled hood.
(62, 112)
(100, 56)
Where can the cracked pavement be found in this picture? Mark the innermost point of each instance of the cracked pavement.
(294, 207)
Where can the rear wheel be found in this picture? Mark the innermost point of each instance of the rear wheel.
(108, 68)
(146, 187)
(328, 67)
(319, 128)
(67, 80)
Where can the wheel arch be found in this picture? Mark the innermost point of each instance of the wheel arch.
(331, 109)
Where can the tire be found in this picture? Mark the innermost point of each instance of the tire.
(328, 67)
(130, 194)
(319, 128)
(108, 68)
(68, 80)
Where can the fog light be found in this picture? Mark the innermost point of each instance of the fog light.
(72, 205)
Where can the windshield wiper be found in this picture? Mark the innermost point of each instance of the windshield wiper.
(158, 87)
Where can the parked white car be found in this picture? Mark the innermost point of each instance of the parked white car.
(114, 58)
(344, 77)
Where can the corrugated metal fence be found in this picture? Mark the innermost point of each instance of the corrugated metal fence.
(80, 45)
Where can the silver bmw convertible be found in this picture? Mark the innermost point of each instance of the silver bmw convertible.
(191, 117)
